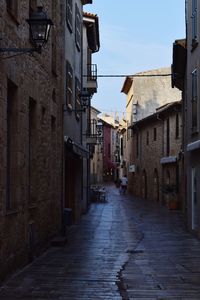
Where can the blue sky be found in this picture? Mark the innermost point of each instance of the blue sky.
(135, 36)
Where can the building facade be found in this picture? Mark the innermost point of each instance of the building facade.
(91, 45)
(185, 77)
(156, 171)
(31, 136)
(43, 155)
(79, 46)
(96, 151)
(145, 92)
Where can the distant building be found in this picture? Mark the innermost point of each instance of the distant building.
(110, 126)
(144, 94)
(156, 164)
(96, 150)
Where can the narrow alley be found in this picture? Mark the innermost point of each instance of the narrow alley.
(125, 248)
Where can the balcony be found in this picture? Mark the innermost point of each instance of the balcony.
(179, 64)
(94, 134)
(92, 78)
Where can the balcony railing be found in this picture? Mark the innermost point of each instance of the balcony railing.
(92, 72)
(94, 133)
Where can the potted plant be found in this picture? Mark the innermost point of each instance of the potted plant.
(170, 190)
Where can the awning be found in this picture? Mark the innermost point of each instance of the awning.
(193, 146)
(76, 148)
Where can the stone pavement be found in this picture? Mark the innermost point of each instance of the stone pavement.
(125, 249)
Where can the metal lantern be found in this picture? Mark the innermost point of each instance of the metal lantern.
(40, 27)
(85, 99)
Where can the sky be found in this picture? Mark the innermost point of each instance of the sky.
(135, 36)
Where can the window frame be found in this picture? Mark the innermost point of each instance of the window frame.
(69, 85)
(194, 102)
(194, 25)
(78, 27)
(69, 15)
(147, 138)
(168, 137)
(77, 98)
(155, 134)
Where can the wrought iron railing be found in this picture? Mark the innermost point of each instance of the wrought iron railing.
(92, 72)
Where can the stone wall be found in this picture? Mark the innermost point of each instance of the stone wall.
(150, 153)
(31, 98)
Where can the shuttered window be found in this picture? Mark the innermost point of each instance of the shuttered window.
(69, 85)
(69, 14)
(194, 100)
(77, 97)
(78, 28)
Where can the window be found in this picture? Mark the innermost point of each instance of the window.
(54, 95)
(77, 97)
(177, 126)
(69, 9)
(194, 100)
(78, 28)
(69, 83)
(12, 8)
(122, 147)
(12, 149)
(33, 151)
(137, 144)
(194, 23)
(54, 57)
(155, 134)
(147, 138)
(168, 138)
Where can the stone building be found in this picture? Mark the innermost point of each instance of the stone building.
(91, 45)
(156, 160)
(96, 154)
(185, 77)
(145, 92)
(81, 41)
(30, 135)
(110, 141)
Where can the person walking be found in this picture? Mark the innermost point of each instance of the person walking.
(124, 182)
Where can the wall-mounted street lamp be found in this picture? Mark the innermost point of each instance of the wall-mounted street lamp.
(40, 27)
(99, 128)
(84, 97)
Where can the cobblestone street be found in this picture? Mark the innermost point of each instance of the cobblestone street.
(123, 249)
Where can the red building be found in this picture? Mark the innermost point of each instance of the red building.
(108, 152)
